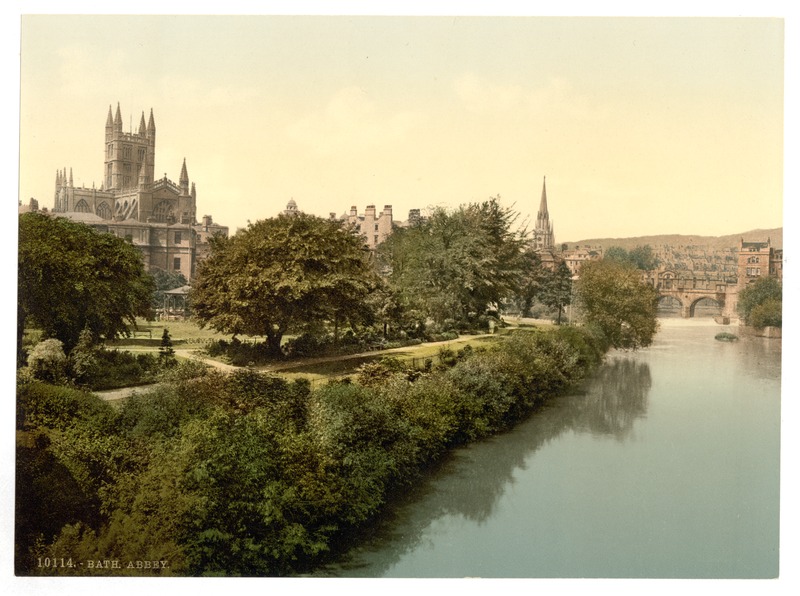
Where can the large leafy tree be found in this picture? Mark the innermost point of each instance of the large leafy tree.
(759, 304)
(532, 279)
(456, 264)
(614, 299)
(557, 289)
(291, 272)
(72, 277)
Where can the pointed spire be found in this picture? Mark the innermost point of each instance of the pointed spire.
(543, 203)
(109, 120)
(184, 179)
(70, 177)
(142, 128)
(151, 125)
(118, 119)
(58, 178)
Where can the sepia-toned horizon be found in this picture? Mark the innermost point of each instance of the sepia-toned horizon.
(642, 126)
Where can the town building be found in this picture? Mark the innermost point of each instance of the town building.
(374, 227)
(576, 257)
(158, 216)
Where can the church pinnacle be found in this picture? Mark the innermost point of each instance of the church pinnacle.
(543, 236)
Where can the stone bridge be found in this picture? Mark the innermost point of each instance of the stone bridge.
(689, 298)
(690, 291)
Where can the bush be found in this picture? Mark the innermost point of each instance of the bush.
(48, 362)
(724, 336)
(123, 369)
(43, 405)
(767, 314)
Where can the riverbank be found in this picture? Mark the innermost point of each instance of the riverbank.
(247, 474)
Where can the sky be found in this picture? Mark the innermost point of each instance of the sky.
(641, 126)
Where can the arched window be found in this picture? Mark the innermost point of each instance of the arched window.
(104, 211)
(163, 211)
(82, 207)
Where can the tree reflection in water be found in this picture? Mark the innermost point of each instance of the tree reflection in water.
(616, 398)
(470, 481)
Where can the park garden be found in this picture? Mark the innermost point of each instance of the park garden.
(261, 469)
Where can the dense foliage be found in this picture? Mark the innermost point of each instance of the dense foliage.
(760, 303)
(556, 291)
(292, 272)
(72, 278)
(614, 299)
(246, 474)
(641, 257)
(455, 265)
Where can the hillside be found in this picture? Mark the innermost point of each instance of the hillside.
(675, 240)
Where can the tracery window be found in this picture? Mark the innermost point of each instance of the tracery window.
(163, 211)
(104, 211)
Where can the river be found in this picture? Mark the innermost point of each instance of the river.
(663, 464)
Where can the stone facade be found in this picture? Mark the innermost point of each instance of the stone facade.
(373, 227)
(157, 216)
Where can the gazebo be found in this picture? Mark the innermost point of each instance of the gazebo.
(176, 304)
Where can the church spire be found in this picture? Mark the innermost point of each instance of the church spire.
(543, 214)
(142, 128)
(118, 119)
(151, 125)
(184, 179)
(543, 233)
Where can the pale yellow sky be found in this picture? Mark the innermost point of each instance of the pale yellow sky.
(641, 125)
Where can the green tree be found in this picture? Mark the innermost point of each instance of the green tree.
(83, 359)
(288, 272)
(531, 281)
(557, 289)
(166, 353)
(641, 257)
(759, 303)
(72, 277)
(615, 300)
(456, 264)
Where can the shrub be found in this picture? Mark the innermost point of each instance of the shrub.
(766, 314)
(52, 406)
(48, 362)
(373, 374)
(725, 336)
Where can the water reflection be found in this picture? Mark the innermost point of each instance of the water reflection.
(608, 403)
(616, 398)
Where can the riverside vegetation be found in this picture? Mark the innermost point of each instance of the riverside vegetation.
(248, 474)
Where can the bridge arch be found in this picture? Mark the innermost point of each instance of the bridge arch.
(705, 299)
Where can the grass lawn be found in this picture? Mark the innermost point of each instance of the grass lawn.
(148, 333)
(320, 369)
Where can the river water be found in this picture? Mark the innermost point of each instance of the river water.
(665, 463)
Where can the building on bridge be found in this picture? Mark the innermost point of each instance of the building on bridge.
(754, 261)
(157, 216)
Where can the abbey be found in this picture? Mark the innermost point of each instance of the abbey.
(157, 215)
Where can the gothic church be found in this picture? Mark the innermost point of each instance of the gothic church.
(158, 216)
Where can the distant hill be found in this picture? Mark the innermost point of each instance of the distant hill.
(717, 242)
